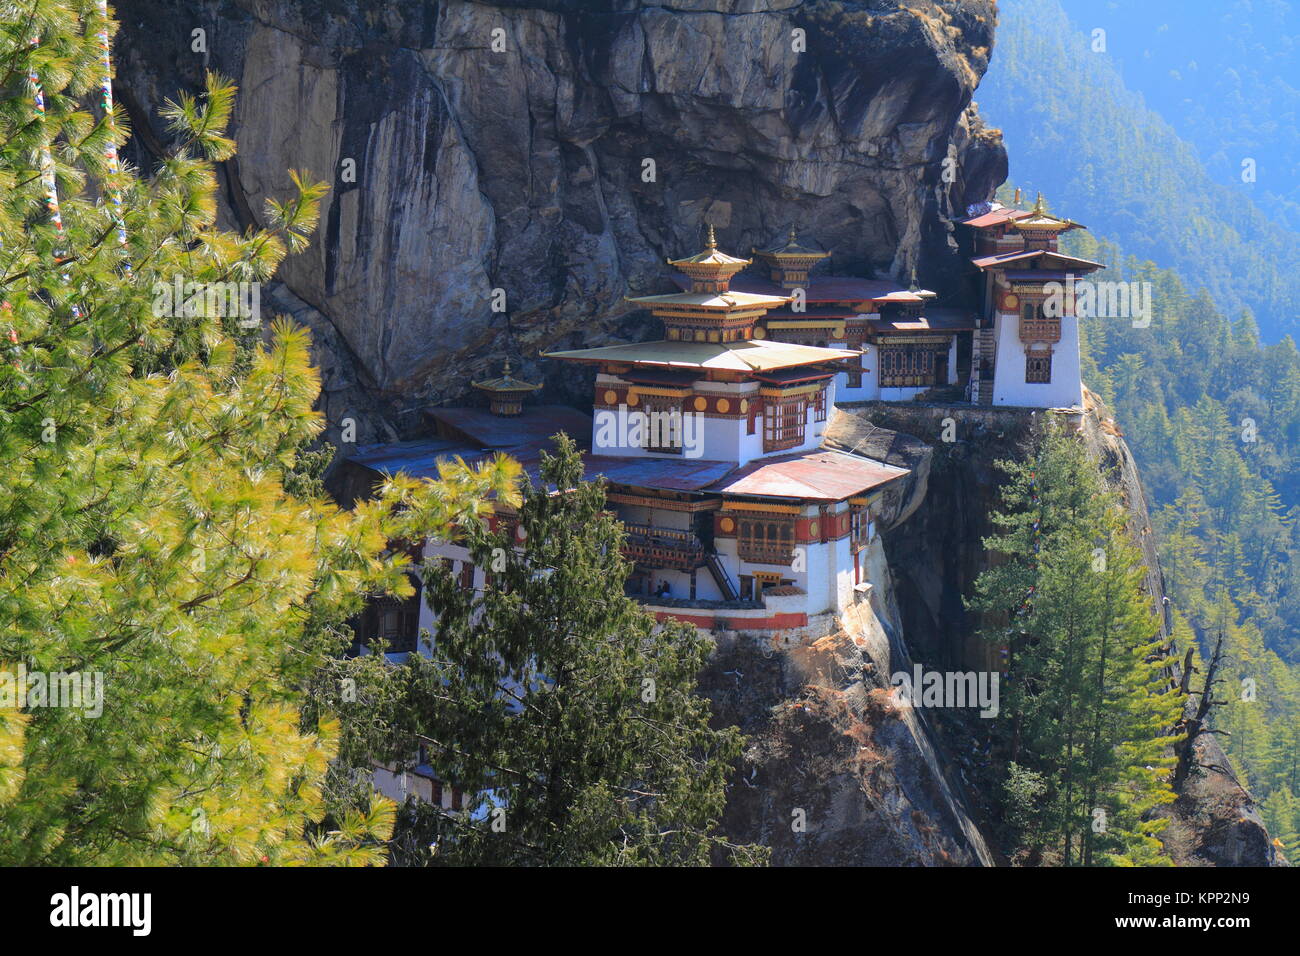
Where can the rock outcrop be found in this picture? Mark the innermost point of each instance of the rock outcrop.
(835, 772)
(937, 552)
(558, 151)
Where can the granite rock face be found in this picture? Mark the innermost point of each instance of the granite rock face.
(558, 151)
(933, 528)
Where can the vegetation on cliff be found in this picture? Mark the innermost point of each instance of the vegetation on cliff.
(564, 711)
(149, 547)
(1213, 417)
(1086, 727)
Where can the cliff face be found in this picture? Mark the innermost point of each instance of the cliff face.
(558, 150)
(936, 553)
(495, 145)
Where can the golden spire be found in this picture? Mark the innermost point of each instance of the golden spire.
(710, 270)
(788, 263)
(505, 394)
(1038, 206)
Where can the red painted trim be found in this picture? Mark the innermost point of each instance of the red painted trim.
(775, 622)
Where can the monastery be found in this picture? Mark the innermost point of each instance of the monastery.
(711, 438)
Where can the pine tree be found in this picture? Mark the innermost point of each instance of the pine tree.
(1088, 711)
(146, 534)
(560, 705)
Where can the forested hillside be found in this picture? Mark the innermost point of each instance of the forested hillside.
(1094, 147)
(1213, 417)
(1224, 74)
(1207, 394)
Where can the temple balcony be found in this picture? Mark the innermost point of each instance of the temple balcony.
(766, 552)
(653, 547)
(1040, 330)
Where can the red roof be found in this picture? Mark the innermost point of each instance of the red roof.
(824, 288)
(934, 320)
(1057, 259)
(996, 217)
(812, 476)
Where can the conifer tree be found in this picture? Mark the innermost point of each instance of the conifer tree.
(146, 533)
(562, 709)
(1088, 713)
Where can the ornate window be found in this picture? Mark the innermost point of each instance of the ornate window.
(859, 527)
(783, 423)
(819, 406)
(663, 428)
(907, 366)
(1037, 326)
(396, 622)
(765, 539)
(1038, 368)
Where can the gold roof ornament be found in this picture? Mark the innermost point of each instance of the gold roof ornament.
(710, 270)
(790, 249)
(1040, 220)
(506, 394)
(506, 383)
(788, 263)
(711, 258)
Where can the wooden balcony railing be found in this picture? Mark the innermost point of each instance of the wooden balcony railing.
(663, 547)
(1040, 330)
(762, 552)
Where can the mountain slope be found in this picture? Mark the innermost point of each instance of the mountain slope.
(1076, 132)
(1225, 74)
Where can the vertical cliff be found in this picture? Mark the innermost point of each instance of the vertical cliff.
(558, 150)
(934, 545)
(474, 146)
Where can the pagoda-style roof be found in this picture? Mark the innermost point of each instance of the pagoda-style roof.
(1053, 261)
(506, 384)
(1040, 220)
(750, 355)
(833, 289)
(712, 301)
(790, 249)
(995, 216)
(709, 270)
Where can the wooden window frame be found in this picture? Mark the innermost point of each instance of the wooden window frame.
(907, 366)
(785, 422)
(1038, 368)
(765, 539)
(819, 405)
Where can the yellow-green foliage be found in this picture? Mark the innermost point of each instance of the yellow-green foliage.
(145, 531)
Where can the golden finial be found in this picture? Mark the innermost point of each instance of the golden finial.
(913, 287)
(505, 369)
(1038, 205)
(711, 242)
(792, 235)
